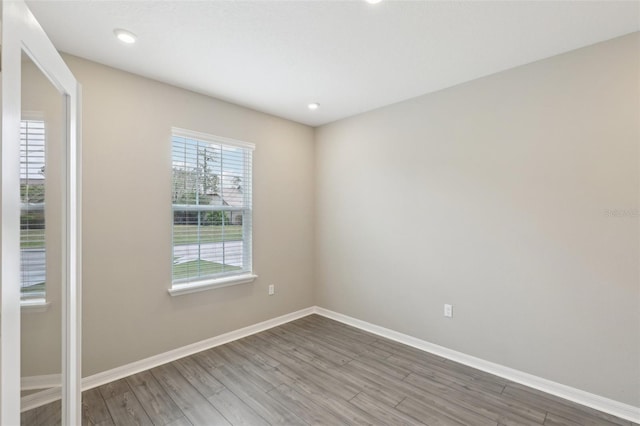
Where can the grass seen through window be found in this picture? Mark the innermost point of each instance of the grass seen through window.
(204, 267)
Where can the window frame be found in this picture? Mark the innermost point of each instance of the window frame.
(186, 286)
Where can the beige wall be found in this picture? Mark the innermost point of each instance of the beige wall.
(493, 196)
(127, 313)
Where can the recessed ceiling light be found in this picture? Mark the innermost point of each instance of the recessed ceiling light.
(125, 36)
(373, 1)
(314, 106)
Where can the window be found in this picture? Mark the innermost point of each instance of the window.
(32, 212)
(211, 200)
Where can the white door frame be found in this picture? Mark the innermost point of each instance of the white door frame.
(22, 33)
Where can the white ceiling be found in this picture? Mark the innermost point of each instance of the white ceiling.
(350, 56)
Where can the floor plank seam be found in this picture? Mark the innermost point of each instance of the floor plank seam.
(401, 401)
(108, 409)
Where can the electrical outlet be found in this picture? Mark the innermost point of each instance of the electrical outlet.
(448, 310)
(272, 289)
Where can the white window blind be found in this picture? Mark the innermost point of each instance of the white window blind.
(32, 211)
(211, 199)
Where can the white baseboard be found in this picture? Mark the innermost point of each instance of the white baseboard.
(40, 382)
(610, 406)
(49, 395)
(38, 399)
(597, 402)
(163, 358)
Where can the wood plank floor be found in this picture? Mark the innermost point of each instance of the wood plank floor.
(315, 371)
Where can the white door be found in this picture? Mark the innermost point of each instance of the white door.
(23, 38)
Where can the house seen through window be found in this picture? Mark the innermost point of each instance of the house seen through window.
(32, 211)
(211, 200)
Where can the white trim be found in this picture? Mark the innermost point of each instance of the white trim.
(44, 381)
(196, 286)
(13, 25)
(192, 134)
(600, 403)
(597, 402)
(34, 305)
(172, 355)
(40, 398)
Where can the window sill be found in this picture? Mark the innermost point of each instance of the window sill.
(34, 305)
(180, 289)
